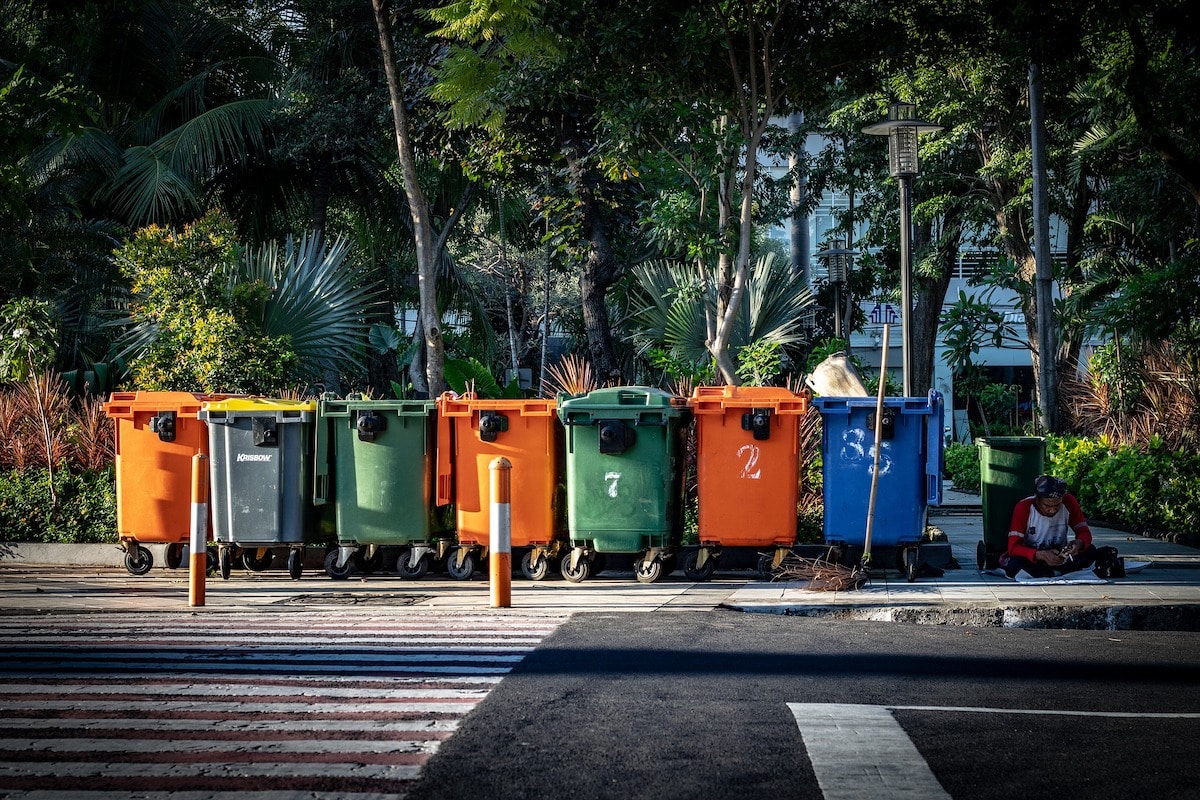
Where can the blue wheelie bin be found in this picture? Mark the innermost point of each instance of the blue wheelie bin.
(911, 456)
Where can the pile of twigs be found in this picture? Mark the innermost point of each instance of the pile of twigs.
(821, 575)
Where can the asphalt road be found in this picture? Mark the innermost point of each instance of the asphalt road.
(677, 705)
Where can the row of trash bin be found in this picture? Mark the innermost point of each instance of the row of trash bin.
(365, 478)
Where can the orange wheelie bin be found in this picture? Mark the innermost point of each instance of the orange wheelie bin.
(747, 469)
(471, 433)
(157, 433)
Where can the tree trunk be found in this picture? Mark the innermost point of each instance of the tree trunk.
(1043, 269)
(930, 295)
(423, 234)
(597, 274)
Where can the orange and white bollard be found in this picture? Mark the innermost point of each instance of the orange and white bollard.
(500, 544)
(198, 546)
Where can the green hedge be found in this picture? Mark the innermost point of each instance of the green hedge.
(85, 510)
(962, 466)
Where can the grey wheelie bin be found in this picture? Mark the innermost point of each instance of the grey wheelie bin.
(260, 456)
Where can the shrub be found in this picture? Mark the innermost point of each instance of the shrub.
(83, 508)
(962, 466)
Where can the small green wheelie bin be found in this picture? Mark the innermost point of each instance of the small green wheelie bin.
(624, 477)
(375, 463)
(1008, 466)
(260, 459)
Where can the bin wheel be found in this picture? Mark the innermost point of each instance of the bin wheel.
(695, 573)
(211, 559)
(139, 560)
(224, 563)
(461, 570)
(368, 564)
(257, 559)
(648, 573)
(910, 564)
(333, 570)
(535, 570)
(981, 555)
(581, 572)
(296, 562)
(764, 566)
(412, 572)
(174, 555)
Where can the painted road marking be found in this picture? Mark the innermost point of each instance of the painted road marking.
(861, 751)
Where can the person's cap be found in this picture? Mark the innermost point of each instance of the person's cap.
(1049, 486)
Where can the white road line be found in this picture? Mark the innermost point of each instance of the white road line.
(75, 794)
(234, 725)
(1056, 712)
(431, 706)
(861, 751)
(259, 691)
(275, 746)
(233, 769)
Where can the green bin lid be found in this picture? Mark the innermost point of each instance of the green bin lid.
(1010, 441)
(619, 402)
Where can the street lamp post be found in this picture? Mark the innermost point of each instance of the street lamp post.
(837, 267)
(902, 127)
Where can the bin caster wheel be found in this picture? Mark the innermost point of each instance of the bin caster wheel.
(174, 556)
(648, 573)
(581, 572)
(211, 559)
(535, 570)
(368, 564)
(224, 563)
(461, 567)
(910, 564)
(296, 562)
(981, 555)
(257, 559)
(695, 573)
(409, 570)
(764, 567)
(333, 570)
(138, 561)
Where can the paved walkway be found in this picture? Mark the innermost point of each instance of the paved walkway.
(1165, 596)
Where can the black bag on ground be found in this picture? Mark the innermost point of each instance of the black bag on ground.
(1108, 563)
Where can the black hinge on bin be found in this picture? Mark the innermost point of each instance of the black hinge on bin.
(163, 423)
(888, 429)
(369, 424)
(264, 432)
(491, 425)
(615, 436)
(759, 421)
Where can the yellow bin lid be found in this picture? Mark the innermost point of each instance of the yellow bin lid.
(259, 405)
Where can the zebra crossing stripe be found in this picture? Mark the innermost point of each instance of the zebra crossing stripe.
(95, 707)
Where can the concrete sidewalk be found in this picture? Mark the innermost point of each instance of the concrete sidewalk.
(1165, 596)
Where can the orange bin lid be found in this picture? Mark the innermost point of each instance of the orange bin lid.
(716, 399)
(124, 405)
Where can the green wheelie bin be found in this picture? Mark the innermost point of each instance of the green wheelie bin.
(374, 463)
(624, 477)
(1008, 466)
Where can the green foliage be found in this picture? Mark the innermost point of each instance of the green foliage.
(197, 332)
(998, 402)
(759, 363)
(27, 337)
(1121, 377)
(1073, 458)
(472, 375)
(82, 508)
(962, 466)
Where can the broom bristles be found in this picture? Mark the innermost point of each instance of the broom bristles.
(820, 575)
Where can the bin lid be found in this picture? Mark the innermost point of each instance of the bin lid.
(715, 399)
(401, 408)
(1010, 441)
(905, 405)
(249, 406)
(463, 405)
(618, 402)
(126, 404)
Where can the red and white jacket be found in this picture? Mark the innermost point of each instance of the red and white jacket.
(1030, 530)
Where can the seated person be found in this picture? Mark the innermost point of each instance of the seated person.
(1039, 536)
